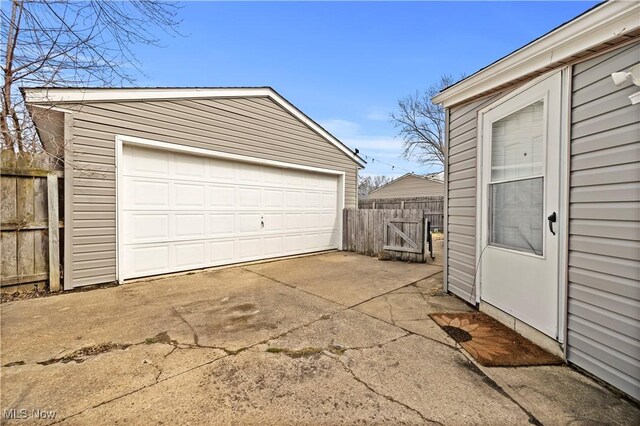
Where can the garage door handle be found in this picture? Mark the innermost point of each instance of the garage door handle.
(552, 219)
(262, 222)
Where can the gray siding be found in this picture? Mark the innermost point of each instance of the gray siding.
(604, 227)
(461, 198)
(410, 186)
(256, 127)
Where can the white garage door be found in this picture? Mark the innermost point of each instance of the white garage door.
(180, 211)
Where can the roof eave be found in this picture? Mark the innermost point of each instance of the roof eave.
(601, 24)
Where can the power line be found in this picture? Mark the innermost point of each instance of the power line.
(393, 166)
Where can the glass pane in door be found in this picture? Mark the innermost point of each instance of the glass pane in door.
(517, 144)
(515, 215)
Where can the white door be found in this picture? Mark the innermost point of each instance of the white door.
(520, 187)
(180, 211)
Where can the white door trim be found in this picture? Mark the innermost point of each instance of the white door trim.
(563, 206)
(120, 140)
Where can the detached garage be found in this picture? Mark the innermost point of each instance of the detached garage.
(167, 180)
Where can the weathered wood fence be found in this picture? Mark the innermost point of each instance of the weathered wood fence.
(399, 234)
(433, 207)
(30, 222)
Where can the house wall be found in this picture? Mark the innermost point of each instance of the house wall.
(409, 186)
(603, 317)
(255, 127)
(461, 197)
(604, 228)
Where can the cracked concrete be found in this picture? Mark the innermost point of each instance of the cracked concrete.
(334, 338)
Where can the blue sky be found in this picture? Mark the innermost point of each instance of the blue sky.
(345, 64)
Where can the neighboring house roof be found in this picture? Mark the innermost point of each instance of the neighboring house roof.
(410, 185)
(77, 95)
(594, 30)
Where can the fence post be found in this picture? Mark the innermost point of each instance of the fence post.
(54, 241)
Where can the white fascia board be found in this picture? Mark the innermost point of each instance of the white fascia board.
(603, 23)
(80, 95)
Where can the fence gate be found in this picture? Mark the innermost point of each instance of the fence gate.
(400, 234)
(404, 235)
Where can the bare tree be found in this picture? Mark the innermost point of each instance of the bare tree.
(366, 184)
(53, 43)
(421, 125)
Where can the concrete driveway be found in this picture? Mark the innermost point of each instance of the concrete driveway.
(332, 338)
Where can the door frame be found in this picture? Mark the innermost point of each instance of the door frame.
(563, 203)
(121, 140)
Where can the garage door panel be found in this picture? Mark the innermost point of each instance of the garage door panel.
(314, 181)
(142, 227)
(189, 255)
(189, 166)
(146, 162)
(222, 252)
(272, 176)
(221, 196)
(248, 173)
(329, 221)
(294, 221)
(221, 171)
(248, 223)
(312, 220)
(146, 194)
(272, 245)
(185, 212)
(294, 199)
(189, 225)
(249, 249)
(312, 198)
(295, 178)
(329, 201)
(221, 224)
(273, 223)
(188, 195)
(147, 260)
(273, 198)
(249, 197)
(318, 241)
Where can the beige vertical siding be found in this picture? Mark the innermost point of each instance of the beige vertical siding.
(604, 228)
(461, 197)
(410, 186)
(255, 127)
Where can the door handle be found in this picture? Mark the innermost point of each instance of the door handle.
(552, 219)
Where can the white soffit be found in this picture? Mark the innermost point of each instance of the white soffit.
(36, 96)
(603, 23)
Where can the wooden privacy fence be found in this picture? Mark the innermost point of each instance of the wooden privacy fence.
(433, 207)
(400, 234)
(30, 222)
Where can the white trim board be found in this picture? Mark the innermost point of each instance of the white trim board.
(120, 140)
(79, 95)
(599, 25)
